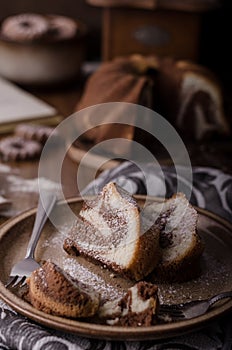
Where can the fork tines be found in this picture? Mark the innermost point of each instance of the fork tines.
(173, 312)
(16, 282)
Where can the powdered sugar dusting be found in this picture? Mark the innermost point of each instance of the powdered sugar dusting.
(93, 276)
(4, 168)
(58, 238)
(213, 280)
(31, 185)
(83, 274)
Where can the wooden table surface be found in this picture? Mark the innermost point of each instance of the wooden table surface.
(64, 100)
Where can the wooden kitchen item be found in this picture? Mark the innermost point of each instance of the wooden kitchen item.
(163, 27)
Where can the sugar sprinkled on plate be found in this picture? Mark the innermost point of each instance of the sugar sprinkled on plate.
(31, 185)
(90, 278)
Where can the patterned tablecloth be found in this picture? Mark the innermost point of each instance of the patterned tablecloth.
(212, 190)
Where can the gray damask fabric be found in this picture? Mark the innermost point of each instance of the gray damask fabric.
(212, 189)
(18, 332)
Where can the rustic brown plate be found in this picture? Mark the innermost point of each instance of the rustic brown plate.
(216, 275)
(93, 160)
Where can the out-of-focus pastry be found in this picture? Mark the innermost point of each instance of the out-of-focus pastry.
(35, 48)
(24, 27)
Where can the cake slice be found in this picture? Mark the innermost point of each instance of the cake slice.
(138, 307)
(110, 231)
(180, 243)
(55, 292)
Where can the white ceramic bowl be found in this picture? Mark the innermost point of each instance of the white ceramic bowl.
(39, 63)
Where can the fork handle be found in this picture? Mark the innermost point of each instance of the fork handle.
(45, 206)
(220, 296)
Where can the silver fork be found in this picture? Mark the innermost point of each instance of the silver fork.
(23, 269)
(185, 311)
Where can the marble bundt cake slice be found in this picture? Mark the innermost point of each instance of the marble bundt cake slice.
(138, 307)
(109, 230)
(55, 292)
(180, 242)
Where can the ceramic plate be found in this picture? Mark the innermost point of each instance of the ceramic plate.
(216, 275)
(91, 159)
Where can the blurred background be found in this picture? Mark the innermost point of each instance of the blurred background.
(78, 9)
(215, 26)
(195, 30)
